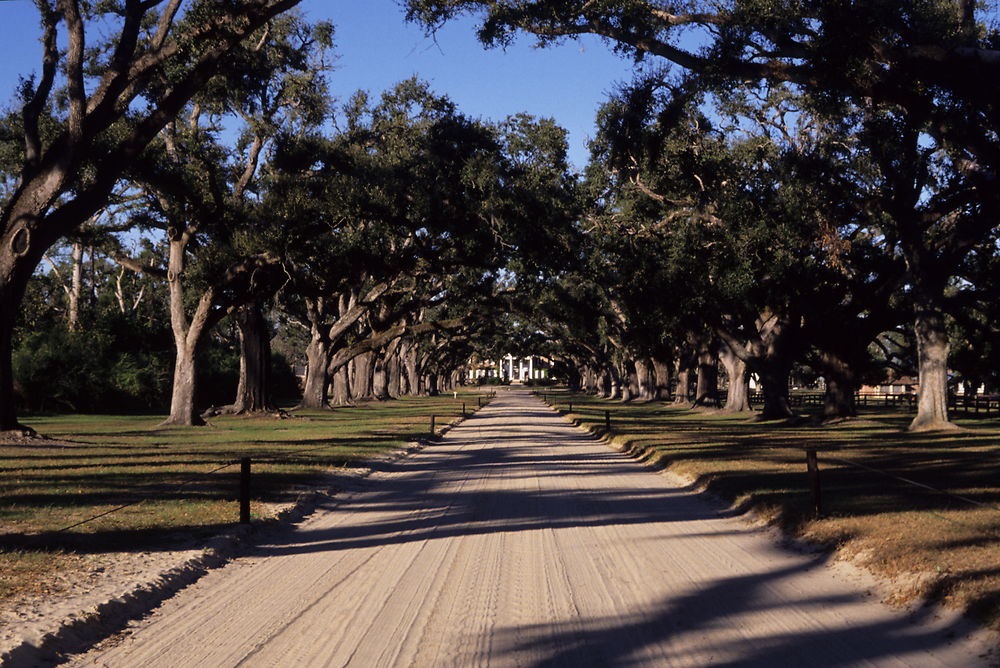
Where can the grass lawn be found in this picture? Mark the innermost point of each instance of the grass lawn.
(892, 527)
(96, 463)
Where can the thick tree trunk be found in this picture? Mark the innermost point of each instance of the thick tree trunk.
(184, 393)
(8, 409)
(341, 387)
(573, 379)
(390, 370)
(661, 371)
(395, 371)
(841, 384)
(738, 391)
(411, 365)
(380, 377)
(645, 380)
(55, 196)
(21, 251)
(777, 337)
(932, 359)
(614, 382)
(317, 380)
(774, 385)
(707, 385)
(682, 392)
(187, 336)
(603, 384)
(628, 382)
(253, 394)
(361, 385)
(634, 385)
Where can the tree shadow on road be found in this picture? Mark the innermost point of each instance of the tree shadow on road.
(446, 492)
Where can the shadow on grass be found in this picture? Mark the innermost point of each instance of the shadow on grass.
(434, 497)
(114, 540)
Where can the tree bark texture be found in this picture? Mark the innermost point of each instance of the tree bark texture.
(75, 288)
(932, 357)
(628, 380)
(361, 380)
(411, 365)
(184, 392)
(682, 372)
(431, 384)
(611, 385)
(841, 384)
(738, 390)
(394, 370)
(774, 385)
(253, 394)
(380, 377)
(646, 380)
(707, 384)
(661, 371)
(8, 409)
(187, 337)
(768, 353)
(341, 387)
(317, 381)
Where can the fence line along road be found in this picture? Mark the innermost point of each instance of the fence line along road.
(518, 539)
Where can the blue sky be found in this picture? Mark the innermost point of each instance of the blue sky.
(375, 49)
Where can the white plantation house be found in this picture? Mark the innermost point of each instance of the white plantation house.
(511, 368)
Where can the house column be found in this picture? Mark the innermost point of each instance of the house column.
(531, 367)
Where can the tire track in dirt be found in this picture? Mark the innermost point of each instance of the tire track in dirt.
(519, 540)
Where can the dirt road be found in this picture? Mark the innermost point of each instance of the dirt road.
(520, 541)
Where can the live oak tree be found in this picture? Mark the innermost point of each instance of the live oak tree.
(404, 183)
(708, 233)
(91, 110)
(224, 252)
(931, 65)
(422, 205)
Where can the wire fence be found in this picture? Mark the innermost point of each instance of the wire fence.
(244, 487)
(812, 460)
(966, 404)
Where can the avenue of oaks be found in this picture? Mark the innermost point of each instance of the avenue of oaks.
(782, 188)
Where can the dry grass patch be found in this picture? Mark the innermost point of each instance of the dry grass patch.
(933, 545)
(91, 464)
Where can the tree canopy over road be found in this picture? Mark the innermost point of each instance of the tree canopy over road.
(780, 189)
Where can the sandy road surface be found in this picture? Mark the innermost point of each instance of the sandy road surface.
(519, 541)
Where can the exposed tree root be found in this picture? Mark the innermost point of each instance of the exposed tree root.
(19, 433)
(277, 413)
(932, 425)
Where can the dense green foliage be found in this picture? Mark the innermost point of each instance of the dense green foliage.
(779, 205)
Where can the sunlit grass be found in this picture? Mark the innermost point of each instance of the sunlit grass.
(96, 463)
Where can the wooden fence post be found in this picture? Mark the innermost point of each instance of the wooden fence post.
(463, 409)
(433, 417)
(812, 466)
(245, 490)
(607, 421)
